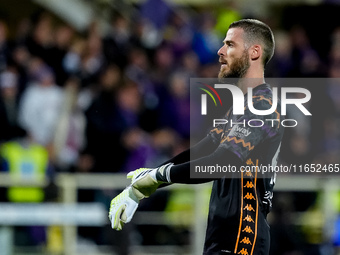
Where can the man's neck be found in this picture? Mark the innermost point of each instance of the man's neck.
(253, 78)
(245, 83)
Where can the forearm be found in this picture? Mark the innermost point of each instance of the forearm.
(181, 173)
(203, 148)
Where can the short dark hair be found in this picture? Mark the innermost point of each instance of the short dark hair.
(257, 32)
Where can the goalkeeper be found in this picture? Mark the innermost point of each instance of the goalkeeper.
(239, 205)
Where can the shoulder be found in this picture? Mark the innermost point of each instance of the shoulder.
(264, 96)
(262, 92)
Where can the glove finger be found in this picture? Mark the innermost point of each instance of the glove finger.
(136, 172)
(115, 222)
(123, 216)
(130, 175)
(120, 225)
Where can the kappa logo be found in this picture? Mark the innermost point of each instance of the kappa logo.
(249, 196)
(249, 162)
(243, 252)
(248, 207)
(246, 240)
(249, 219)
(248, 230)
(249, 185)
(248, 174)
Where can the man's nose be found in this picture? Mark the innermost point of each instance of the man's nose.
(221, 51)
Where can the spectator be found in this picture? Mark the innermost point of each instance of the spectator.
(116, 42)
(305, 60)
(179, 32)
(20, 58)
(105, 124)
(72, 60)
(62, 41)
(40, 40)
(41, 103)
(26, 160)
(8, 104)
(281, 62)
(4, 47)
(92, 60)
(69, 136)
(206, 41)
(175, 109)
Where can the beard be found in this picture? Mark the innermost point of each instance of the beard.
(237, 69)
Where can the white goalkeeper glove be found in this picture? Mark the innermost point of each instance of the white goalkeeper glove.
(122, 208)
(145, 181)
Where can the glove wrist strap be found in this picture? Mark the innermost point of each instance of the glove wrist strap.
(163, 173)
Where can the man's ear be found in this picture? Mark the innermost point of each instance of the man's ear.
(255, 52)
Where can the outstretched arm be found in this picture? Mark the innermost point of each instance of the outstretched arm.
(145, 181)
(203, 148)
(222, 156)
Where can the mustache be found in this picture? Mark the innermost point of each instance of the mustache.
(221, 60)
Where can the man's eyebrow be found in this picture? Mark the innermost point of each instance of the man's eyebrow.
(228, 41)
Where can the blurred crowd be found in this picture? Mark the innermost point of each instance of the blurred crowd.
(119, 100)
(110, 102)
